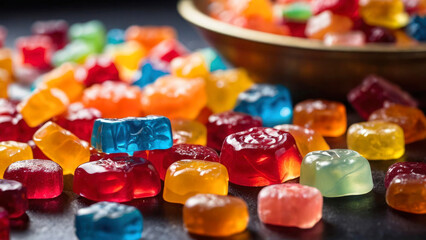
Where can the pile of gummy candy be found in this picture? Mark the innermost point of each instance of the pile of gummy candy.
(153, 111)
(335, 22)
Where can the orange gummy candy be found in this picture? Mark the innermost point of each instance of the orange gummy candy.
(149, 36)
(327, 22)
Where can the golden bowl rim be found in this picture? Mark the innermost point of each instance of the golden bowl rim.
(189, 11)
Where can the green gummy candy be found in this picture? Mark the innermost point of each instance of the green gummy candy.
(337, 173)
(92, 32)
(297, 11)
(76, 51)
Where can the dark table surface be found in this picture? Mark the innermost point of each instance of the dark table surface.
(357, 217)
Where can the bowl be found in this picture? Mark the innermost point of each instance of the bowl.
(307, 67)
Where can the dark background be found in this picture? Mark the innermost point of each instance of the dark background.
(357, 217)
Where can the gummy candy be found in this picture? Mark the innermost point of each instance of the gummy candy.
(150, 36)
(407, 193)
(76, 51)
(249, 8)
(56, 30)
(376, 140)
(186, 178)
(99, 70)
(115, 36)
(167, 50)
(272, 103)
(347, 8)
(213, 60)
(297, 11)
(416, 28)
(109, 221)
(298, 206)
(13, 197)
(384, 13)
(43, 179)
(4, 83)
(35, 51)
(126, 57)
(11, 152)
(92, 32)
(189, 131)
(404, 168)
(260, 157)
(4, 224)
(6, 60)
(149, 74)
(70, 153)
(327, 22)
(354, 38)
(337, 173)
(215, 215)
(190, 66)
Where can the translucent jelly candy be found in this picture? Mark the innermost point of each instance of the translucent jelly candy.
(13, 197)
(221, 125)
(260, 157)
(174, 97)
(4, 224)
(297, 29)
(416, 28)
(190, 66)
(343, 7)
(298, 206)
(11, 152)
(162, 159)
(64, 79)
(384, 13)
(213, 60)
(326, 117)
(79, 120)
(99, 70)
(404, 168)
(76, 51)
(374, 92)
(126, 57)
(167, 50)
(189, 131)
(270, 102)
(215, 215)
(223, 88)
(113, 99)
(187, 178)
(250, 8)
(70, 153)
(43, 179)
(337, 173)
(379, 35)
(92, 32)
(407, 193)
(42, 105)
(132, 134)
(150, 36)
(116, 180)
(115, 36)
(150, 72)
(327, 22)
(109, 221)
(354, 38)
(56, 30)
(4, 83)
(35, 51)
(297, 11)
(6, 60)
(412, 120)
(307, 140)
(376, 140)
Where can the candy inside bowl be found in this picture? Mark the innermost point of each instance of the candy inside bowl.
(307, 66)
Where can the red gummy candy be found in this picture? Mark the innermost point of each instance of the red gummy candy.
(4, 224)
(374, 92)
(347, 8)
(404, 168)
(37, 153)
(95, 155)
(57, 30)
(43, 179)
(260, 157)
(162, 159)
(297, 29)
(12, 126)
(13, 197)
(35, 51)
(116, 181)
(99, 70)
(221, 125)
(167, 50)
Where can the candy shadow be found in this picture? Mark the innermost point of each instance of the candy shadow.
(21, 223)
(246, 235)
(54, 205)
(316, 232)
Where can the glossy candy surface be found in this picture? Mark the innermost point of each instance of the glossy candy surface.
(189, 131)
(326, 117)
(190, 66)
(374, 92)
(4, 83)
(417, 28)
(412, 120)
(353, 38)
(43, 179)
(407, 193)
(290, 205)
(327, 22)
(11, 152)
(56, 30)
(69, 154)
(132, 134)
(215, 215)
(92, 32)
(213, 60)
(219, 126)
(307, 140)
(404, 168)
(337, 173)
(167, 50)
(6, 60)
(126, 57)
(150, 36)
(109, 221)
(173, 97)
(118, 179)
(13, 197)
(343, 7)
(99, 70)
(270, 102)
(76, 51)
(186, 178)
(35, 51)
(4, 224)
(150, 72)
(384, 13)
(260, 157)
(297, 12)
(376, 140)
(162, 159)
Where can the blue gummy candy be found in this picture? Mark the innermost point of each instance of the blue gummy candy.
(128, 135)
(109, 221)
(270, 102)
(115, 36)
(149, 74)
(417, 28)
(213, 60)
